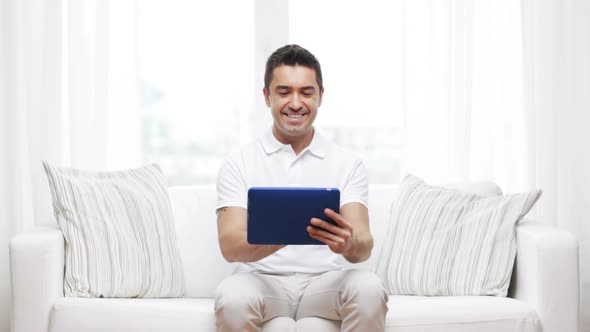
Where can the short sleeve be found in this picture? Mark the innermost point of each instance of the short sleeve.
(231, 185)
(356, 187)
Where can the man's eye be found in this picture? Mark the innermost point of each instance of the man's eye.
(308, 94)
(283, 93)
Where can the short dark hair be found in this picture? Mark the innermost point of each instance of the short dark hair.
(292, 55)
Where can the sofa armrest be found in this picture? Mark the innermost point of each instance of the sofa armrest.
(37, 272)
(546, 275)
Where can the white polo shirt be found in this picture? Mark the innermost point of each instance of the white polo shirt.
(270, 163)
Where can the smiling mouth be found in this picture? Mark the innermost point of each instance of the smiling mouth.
(295, 116)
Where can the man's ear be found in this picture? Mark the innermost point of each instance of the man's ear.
(321, 97)
(266, 96)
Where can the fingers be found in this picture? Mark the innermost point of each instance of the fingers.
(322, 224)
(335, 243)
(337, 218)
(337, 237)
(324, 234)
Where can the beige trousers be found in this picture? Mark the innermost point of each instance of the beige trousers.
(245, 301)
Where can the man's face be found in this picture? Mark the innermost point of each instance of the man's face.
(294, 98)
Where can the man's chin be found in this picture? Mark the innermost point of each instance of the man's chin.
(298, 130)
(295, 131)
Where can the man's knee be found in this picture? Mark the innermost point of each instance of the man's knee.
(366, 289)
(243, 301)
(234, 295)
(237, 306)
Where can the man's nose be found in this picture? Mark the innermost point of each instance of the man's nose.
(295, 103)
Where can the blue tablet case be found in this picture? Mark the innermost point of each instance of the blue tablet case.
(281, 215)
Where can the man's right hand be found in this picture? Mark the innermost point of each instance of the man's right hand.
(232, 233)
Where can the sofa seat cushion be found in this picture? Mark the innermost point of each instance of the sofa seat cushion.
(460, 313)
(406, 314)
(126, 315)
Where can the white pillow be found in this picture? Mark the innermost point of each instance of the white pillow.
(444, 241)
(119, 232)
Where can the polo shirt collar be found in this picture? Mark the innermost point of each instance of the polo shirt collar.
(317, 146)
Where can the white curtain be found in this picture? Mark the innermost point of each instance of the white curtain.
(67, 88)
(464, 93)
(500, 90)
(557, 73)
(30, 92)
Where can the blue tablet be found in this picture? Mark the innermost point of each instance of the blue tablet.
(281, 215)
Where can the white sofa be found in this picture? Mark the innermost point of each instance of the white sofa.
(543, 293)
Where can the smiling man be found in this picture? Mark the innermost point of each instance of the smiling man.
(297, 281)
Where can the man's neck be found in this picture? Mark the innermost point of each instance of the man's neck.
(298, 143)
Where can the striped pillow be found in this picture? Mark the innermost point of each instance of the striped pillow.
(448, 242)
(119, 232)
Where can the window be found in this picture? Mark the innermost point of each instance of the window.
(201, 69)
(196, 77)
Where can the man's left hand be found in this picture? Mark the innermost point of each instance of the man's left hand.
(339, 237)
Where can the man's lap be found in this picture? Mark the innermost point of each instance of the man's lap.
(297, 295)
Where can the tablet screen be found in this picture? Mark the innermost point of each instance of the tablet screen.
(281, 215)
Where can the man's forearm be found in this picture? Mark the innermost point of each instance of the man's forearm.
(231, 225)
(237, 249)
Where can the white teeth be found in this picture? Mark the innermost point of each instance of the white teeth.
(296, 116)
